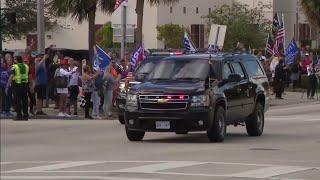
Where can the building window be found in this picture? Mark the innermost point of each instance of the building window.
(197, 10)
(209, 10)
(184, 10)
(171, 10)
(304, 32)
(197, 35)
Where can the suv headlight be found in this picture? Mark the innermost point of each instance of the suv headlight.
(200, 101)
(132, 100)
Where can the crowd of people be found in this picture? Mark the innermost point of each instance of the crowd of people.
(282, 74)
(26, 81)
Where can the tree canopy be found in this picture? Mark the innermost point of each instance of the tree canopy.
(171, 35)
(26, 17)
(312, 11)
(82, 10)
(244, 24)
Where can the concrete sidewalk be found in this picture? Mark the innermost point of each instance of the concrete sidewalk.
(290, 98)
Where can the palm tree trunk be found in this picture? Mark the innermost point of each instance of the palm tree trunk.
(139, 11)
(92, 33)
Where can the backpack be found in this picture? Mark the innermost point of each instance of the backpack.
(60, 81)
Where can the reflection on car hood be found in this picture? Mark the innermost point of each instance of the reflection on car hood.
(160, 87)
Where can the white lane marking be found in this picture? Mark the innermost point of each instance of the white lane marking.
(56, 166)
(5, 163)
(269, 172)
(159, 167)
(73, 177)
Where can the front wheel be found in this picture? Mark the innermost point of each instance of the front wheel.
(134, 135)
(255, 122)
(217, 131)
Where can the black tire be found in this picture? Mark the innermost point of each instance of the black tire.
(134, 135)
(182, 132)
(218, 129)
(255, 122)
(121, 119)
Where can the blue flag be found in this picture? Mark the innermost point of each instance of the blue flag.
(101, 59)
(292, 52)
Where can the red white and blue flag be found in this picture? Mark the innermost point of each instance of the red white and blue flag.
(278, 49)
(137, 57)
(118, 3)
(269, 45)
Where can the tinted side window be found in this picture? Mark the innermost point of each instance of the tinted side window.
(253, 68)
(238, 70)
(226, 71)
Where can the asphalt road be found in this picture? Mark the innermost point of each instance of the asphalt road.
(99, 150)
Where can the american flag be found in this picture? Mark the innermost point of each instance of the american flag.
(118, 3)
(269, 45)
(278, 48)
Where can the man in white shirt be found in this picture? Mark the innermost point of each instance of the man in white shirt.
(73, 84)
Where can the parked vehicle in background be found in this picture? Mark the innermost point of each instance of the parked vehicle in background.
(200, 92)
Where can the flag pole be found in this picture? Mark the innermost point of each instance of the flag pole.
(284, 32)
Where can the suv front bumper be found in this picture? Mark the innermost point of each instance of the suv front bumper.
(191, 120)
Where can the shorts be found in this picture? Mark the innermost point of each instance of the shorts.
(41, 91)
(74, 92)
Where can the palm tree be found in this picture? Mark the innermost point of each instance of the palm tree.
(82, 10)
(139, 11)
(312, 11)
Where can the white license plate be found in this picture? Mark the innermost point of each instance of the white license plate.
(162, 124)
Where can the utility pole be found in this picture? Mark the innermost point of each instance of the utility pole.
(123, 29)
(40, 26)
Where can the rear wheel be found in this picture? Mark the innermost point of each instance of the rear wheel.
(134, 135)
(217, 131)
(255, 122)
(121, 119)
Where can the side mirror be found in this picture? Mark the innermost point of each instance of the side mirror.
(234, 78)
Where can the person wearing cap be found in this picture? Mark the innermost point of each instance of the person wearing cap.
(306, 62)
(41, 82)
(21, 76)
(64, 74)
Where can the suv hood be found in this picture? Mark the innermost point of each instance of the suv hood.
(166, 87)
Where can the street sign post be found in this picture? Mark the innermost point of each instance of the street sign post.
(217, 35)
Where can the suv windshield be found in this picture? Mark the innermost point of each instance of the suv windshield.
(194, 69)
(148, 64)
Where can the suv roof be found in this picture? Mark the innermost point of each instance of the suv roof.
(217, 56)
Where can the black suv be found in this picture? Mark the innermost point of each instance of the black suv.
(201, 92)
(140, 74)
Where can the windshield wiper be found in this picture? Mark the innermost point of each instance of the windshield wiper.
(188, 78)
(160, 79)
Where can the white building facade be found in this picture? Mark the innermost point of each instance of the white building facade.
(187, 13)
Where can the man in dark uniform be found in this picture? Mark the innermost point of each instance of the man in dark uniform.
(20, 75)
(279, 79)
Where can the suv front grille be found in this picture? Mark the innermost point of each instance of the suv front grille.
(164, 102)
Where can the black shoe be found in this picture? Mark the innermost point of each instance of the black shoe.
(88, 117)
(25, 118)
(41, 113)
(75, 113)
